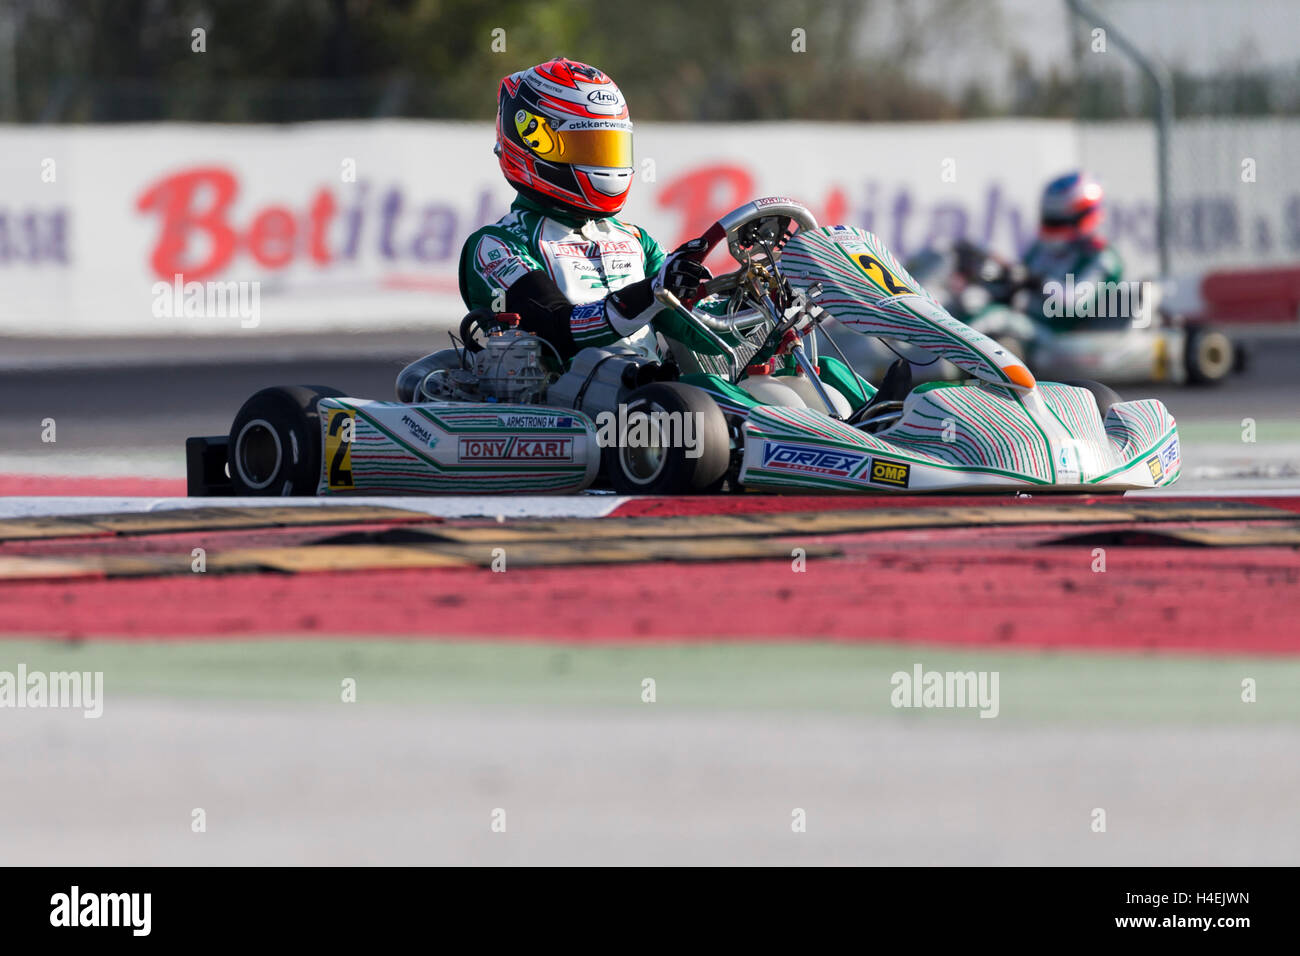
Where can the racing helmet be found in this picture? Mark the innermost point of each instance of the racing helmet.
(564, 138)
(1071, 208)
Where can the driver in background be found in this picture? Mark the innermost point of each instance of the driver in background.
(1069, 243)
(576, 275)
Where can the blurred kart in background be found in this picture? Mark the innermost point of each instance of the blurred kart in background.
(1139, 343)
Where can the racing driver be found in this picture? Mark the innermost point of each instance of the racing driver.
(1070, 244)
(576, 275)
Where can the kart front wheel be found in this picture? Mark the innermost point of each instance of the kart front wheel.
(671, 440)
(275, 444)
(1211, 356)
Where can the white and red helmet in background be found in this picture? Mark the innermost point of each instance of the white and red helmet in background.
(564, 138)
(1071, 208)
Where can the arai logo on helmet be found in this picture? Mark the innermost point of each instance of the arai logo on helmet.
(604, 98)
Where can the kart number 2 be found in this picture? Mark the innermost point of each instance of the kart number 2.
(880, 275)
(338, 446)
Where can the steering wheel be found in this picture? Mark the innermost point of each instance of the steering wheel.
(761, 224)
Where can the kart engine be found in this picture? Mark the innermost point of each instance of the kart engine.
(509, 367)
(506, 368)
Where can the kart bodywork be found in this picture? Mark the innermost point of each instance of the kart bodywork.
(947, 440)
(456, 449)
(1002, 428)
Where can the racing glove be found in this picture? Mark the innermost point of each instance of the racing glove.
(681, 274)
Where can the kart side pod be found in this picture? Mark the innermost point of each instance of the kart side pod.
(371, 447)
(311, 440)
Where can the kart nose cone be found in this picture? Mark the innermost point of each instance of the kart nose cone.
(1019, 375)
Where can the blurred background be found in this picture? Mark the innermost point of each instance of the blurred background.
(110, 102)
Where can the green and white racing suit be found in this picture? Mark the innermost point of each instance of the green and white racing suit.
(580, 284)
(1086, 260)
(575, 283)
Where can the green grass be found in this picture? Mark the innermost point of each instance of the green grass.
(791, 677)
(1267, 431)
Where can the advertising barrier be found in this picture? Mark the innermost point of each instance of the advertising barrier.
(180, 230)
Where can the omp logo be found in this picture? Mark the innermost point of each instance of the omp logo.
(419, 431)
(821, 461)
(516, 449)
(890, 473)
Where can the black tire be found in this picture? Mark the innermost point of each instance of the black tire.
(660, 470)
(1211, 356)
(1241, 361)
(275, 444)
(1104, 394)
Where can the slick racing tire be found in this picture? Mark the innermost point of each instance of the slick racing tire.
(275, 444)
(1104, 394)
(1211, 356)
(661, 465)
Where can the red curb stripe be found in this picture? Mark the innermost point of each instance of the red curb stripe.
(1165, 599)
(127, 487)
(775, 504)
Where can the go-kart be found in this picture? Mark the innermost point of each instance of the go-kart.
(499, 412)
(1136, 342)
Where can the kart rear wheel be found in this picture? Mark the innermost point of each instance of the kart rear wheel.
(1104, 394)
(1211, 356)
(275, 445)
(661, 465)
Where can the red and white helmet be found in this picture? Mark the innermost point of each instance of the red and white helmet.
(564, 138)
(1071, 207)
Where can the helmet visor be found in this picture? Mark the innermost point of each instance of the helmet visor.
(1064, 222)
(580, 147)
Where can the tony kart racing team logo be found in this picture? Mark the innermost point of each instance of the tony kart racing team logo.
(516, 449)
